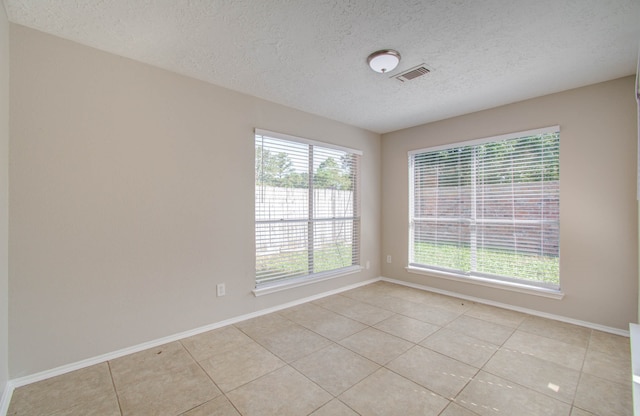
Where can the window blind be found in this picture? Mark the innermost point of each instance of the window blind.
(489, 208)
(307, 208)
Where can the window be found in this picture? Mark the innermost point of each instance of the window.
(307, 210)
(489, 208)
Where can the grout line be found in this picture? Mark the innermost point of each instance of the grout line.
(67, 368)
(481, 368)
(222, 392)
(527, 311)
(581, 372)
(200, 366)
(115, 390)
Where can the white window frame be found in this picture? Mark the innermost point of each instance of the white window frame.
(519, 285)
(292, 282)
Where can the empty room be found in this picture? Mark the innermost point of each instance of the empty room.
(367, 207)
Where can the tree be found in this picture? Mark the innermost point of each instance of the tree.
(273, 170)
(526, 159)
(277, 169)
(297, 180)
(330, 175)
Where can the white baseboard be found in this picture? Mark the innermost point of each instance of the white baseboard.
(22, 381)
(6, 398)
(43, 375)
(560, 318)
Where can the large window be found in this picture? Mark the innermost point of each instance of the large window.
(489, 208)
(307, 217)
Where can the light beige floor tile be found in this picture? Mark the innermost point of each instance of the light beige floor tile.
(432, 314)
(293, 343)
(164, 380)
(419, 311)
(334, 408)
(540, 355)
(408, 293)
(281, 393)
(469, 350)
(335, 368)
(477, 328)
(496, 315)
(457, 410)
(351, 308)
(219, 406)
(264, 325)
(579, 412)
(384, 287)
(147, 364)
(367, 294)
(386, 393)
(99, 406)
(604, 397)
(376, 287)
(388, 302)
(449, 303)
(63, 393)
(175, 391)
(376, 345)
(323, 321)
(542, 376)
(434, 371)
(561, 331)
(568, 355)
(610, 367)
(306, 313)
(407, 328)
(234, 368)
(610, 344)
(205, 345)
(337, 327)
(489, 395)
(370, 298)
(336, 303)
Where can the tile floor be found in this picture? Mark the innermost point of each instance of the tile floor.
(381, 349)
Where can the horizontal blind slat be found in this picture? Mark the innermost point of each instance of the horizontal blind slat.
(307, 213)
(491, 207)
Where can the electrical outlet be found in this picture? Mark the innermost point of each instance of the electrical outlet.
(368, 266)
(388, 258)
(220, 289)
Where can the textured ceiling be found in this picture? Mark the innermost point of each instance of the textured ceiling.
(311, 54)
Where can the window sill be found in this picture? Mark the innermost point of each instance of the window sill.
(511, 286)
(306, 280)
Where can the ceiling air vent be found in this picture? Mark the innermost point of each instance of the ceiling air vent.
(413, 73)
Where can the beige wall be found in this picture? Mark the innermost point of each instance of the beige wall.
(4, 196)
(132, 197)
(598, 219)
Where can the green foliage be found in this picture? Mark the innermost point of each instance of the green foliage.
(273, 169)
(530, 162)
(330, 257)
(278, 170)
(330, 175)
(497, 262)
(532, 159)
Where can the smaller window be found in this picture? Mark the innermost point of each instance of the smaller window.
(307, 208)
(489, 208)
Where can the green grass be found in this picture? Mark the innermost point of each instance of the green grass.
(497, 262)
(296, 263)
